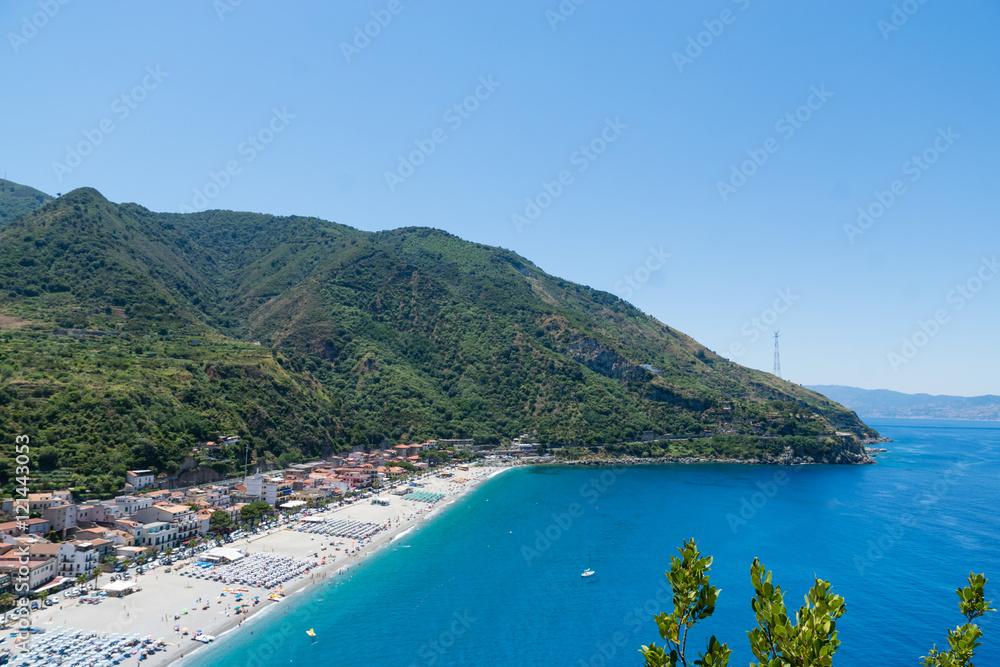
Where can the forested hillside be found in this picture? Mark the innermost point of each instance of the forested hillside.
(307, 337)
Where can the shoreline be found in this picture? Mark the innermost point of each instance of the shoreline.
(691, 460)
(165, 601)
(323, 573)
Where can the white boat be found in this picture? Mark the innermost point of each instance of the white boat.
(588, 572)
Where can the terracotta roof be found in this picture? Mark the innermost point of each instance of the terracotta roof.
(47, 549)
(6, 561)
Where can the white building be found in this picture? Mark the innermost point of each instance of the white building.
(181, 517)
(262, 488)
(74, 558)
(40, 571)
(158, 534)
(139, 479)
(129, 505)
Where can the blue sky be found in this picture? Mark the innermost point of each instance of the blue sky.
(706, 161)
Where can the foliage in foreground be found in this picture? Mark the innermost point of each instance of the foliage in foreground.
(810, 641)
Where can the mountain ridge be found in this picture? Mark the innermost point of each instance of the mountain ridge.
(885, 403)
(18, 200)
(395, 335)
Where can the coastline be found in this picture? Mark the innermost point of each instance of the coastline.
(151, 611)
(224, 630)
(690, 460)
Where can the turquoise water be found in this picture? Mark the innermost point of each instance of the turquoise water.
(483, 585)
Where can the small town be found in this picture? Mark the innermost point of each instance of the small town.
(67, 545)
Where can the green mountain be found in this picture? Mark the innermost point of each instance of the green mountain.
(308, 337)
(18, 200)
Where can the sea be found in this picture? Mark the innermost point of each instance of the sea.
(495, 579)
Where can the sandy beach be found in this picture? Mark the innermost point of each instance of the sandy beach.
(164, 595)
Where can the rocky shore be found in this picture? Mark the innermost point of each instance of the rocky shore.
(787, 457)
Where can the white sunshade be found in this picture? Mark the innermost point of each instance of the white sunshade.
(118, 586)
(225, 553)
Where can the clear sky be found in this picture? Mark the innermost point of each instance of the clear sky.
(707, 161)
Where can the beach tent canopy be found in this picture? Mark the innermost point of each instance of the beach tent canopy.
(313, 519)
(119, 588)
(224, 553)
(292, 504)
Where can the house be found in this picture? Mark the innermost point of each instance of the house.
(463, 444)
(158, 496)
(39, 502)
(120, 538)
(26, 527)
(262, 488)
(130, 552)
(40, 571)
(157, 534)
(71, 558)
(203, 519)
(129, 505)
(128, 527)
(98, 511)
(139, 479)
(181, 517)
(61, 515)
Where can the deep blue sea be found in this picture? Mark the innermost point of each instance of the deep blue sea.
(496, 579)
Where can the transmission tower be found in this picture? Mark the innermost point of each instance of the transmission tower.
(777, 359)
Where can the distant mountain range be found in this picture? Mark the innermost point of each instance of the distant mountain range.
(874, 403)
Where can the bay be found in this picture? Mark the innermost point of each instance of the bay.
(495, 580)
